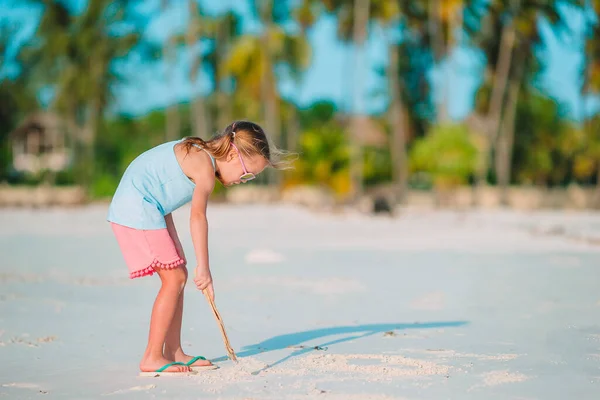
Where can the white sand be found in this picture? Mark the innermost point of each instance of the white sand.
(429, 305)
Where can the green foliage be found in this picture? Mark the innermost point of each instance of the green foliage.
(320, 112)
(104, 185)
(15, 102)
(447, 154)
(586, 162)
(324, 158)
(377, 166)
(64, 178)
(543, 142)
(119, 142)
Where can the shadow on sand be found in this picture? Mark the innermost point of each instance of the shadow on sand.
(295, 340)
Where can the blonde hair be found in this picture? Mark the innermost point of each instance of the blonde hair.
(248, 137)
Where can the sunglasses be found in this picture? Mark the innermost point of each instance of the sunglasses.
(246, 176)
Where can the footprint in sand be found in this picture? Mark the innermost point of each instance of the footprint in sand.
(131, 389)
(21, 385)
(500, 377)
(263, 256)
(495, 378)
(430, 301)
(23, 341)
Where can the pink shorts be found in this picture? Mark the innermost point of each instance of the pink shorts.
(146, 250)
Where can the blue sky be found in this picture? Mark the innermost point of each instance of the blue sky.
(330, 74)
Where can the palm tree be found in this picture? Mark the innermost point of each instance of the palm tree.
(398, 123)
(591, 79)
(268, 81)
(74, 55)
(511, 62)
(499, 75)
(354, 17)
(253, 58)
(439, 25)
(15, 99)
(421, 26)
(503, 138)
(484, 26)
(506, 135)
(395, 19)
(219, 31)
(359, 36)
(435, 36)
(173, 120)
(227, 29)
(198, 112)
(524, 68)
(305, 16)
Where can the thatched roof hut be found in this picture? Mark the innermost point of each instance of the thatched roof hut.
(39, 143)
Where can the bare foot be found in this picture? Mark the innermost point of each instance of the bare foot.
(151, 365)
(180, 356)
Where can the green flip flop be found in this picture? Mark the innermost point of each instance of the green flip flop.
(200, 367)
(160, 371)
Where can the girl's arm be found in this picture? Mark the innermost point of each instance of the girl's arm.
(205, 182)
(174, 236)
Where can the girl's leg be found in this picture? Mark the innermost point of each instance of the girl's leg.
(165, 308)
(173, 338)
(173, 348)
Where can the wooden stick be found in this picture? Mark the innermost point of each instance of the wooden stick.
(228, 347)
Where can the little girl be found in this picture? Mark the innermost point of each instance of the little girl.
(155, 184)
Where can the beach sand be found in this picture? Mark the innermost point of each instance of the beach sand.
(426, 305)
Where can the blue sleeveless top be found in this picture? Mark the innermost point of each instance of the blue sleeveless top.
(153, 186)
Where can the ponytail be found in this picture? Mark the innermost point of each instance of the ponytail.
(217, 147)
(249, 138)
(193, 141)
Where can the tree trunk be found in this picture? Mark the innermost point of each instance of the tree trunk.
(500, 78)
(435, 30)
(481, 172)
(399, 124)
(293, 131)
(87, 138)
(504, 147)
(269, 88)
(224, 98)
(586, 122)
(270, 99)
(173, 123)
(90, 117)
(271, 118)
(434, 25)
(359, 35)
(198, 115)
(584, 86)
(596, 200)
(76, 141)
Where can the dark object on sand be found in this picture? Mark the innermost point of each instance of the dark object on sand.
(308, 347)
(381, 205)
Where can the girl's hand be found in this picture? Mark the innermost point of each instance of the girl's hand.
(203, 281)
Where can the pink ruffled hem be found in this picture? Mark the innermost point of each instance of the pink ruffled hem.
(149, 271)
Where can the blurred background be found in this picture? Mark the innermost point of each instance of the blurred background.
(446, 102)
